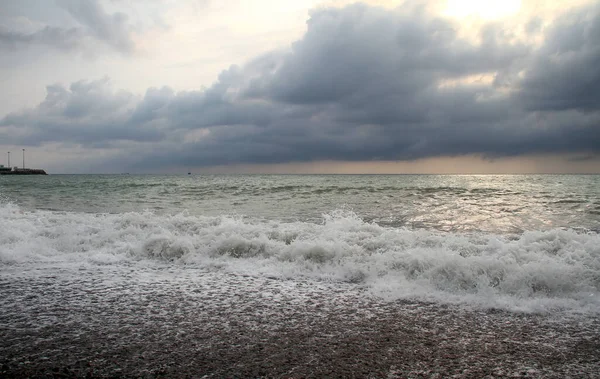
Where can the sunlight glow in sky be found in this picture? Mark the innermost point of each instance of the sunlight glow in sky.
(485, 9)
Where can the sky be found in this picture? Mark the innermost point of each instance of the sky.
(303, 86)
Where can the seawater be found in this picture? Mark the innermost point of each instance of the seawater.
(517, 242)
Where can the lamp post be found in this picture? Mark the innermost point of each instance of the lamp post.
(23, 159)
(9, 159)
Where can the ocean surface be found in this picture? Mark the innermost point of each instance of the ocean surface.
(523, 243)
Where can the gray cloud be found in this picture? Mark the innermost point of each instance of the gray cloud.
(89, 113)
(60, 38)
(363, 83)
(345, 50)
(94, 25)
(111, 29)
(565, 72)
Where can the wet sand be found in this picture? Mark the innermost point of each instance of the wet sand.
(109, 322)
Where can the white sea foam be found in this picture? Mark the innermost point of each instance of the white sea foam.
(535, 271)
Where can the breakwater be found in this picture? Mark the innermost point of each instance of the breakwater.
(23, 171)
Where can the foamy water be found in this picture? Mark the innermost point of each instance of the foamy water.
(556, 269)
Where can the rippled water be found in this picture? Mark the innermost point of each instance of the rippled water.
(500, 204)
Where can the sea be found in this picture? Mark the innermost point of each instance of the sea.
(518, 243)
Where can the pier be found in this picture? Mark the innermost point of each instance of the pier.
(7, 170)
(21, 171)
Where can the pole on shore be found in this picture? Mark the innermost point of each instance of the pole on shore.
(9, 159)
(23, 159)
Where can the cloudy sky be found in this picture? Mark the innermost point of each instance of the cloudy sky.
(456, 86)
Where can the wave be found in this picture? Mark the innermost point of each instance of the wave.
(533, 271)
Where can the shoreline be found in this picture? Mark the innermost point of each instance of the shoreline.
(168, 322)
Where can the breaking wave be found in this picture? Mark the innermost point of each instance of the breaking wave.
(533, 271)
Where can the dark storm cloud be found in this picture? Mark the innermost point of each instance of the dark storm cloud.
(89, 113)
(389, 52)
(565, 72)
(94, 25)
(364, 83)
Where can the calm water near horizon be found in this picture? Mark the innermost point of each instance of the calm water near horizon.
(526, 242)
